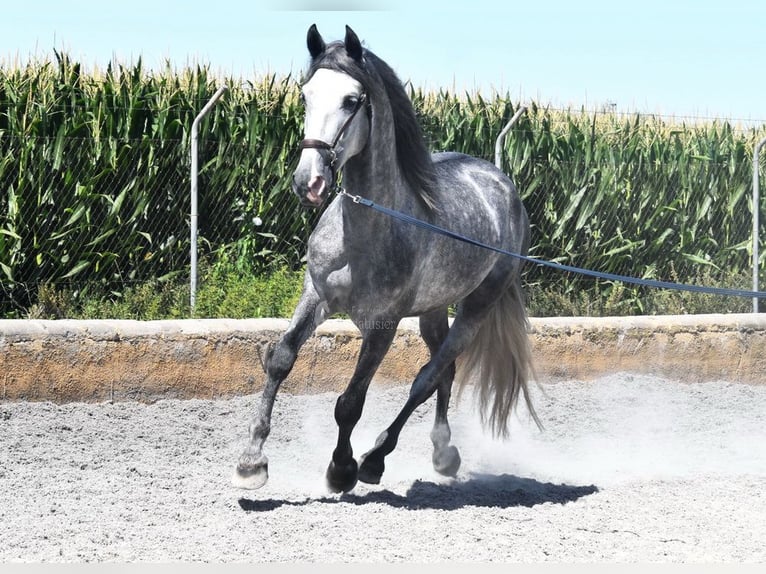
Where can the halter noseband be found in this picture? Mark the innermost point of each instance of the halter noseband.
(311, 143)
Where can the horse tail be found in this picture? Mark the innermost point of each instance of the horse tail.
(499, 362)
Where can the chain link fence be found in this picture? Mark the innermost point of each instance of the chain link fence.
(101, 214)
(100, 226)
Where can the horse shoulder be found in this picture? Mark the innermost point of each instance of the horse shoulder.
(327, 260)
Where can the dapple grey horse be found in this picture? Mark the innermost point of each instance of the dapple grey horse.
(378, 270)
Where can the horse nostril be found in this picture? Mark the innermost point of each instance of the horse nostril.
(317, 184)
(317, 187)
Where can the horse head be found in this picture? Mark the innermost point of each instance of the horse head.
(334, 130)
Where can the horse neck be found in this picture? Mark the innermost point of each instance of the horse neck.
(375, 173)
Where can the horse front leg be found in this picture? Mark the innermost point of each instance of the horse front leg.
(342, 471)
(253, 466)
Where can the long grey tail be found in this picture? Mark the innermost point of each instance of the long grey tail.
(499, 362)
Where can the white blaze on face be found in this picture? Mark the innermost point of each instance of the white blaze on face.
(326, 96)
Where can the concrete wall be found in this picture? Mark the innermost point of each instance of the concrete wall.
(123, 360)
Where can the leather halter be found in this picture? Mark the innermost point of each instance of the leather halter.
(312, 143)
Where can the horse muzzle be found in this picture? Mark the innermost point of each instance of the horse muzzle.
(314, 193)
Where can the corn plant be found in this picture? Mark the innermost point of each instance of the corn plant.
(94, 182)
(629, 195)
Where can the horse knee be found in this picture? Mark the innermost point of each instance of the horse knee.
(279, 361)
(348, 409)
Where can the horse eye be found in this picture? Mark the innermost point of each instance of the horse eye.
(350, 102)
(302, 97)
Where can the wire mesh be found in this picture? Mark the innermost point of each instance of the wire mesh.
(626, 195)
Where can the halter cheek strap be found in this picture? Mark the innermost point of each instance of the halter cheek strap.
(311, 143)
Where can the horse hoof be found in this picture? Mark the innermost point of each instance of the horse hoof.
(342, 478)
(370, 470)
(251, 474)
(446, 461)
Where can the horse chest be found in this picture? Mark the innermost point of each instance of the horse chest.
(363, 269)
(347, 288)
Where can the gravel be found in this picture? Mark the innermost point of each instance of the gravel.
(627, 469)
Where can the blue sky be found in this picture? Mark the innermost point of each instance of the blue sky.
(685, 58)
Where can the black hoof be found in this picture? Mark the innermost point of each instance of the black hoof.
(371, 470)
(446, 461)
(342, 478)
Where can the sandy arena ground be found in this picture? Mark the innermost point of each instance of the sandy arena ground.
(628, 469)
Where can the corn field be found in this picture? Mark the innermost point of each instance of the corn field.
(94, 181)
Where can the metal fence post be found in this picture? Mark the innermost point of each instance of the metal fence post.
(194, 204)
(501, 138)
(756, 217)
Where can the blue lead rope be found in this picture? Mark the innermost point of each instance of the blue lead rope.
(559, 266)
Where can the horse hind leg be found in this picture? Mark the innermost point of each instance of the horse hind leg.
(488, 299)
(430, 378)
(434, 328)
(446, 344)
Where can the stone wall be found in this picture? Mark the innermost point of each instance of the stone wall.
(131, 360)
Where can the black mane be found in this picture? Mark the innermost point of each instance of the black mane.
(379, 80)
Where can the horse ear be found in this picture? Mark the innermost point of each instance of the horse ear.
(315, 42)
(353, 45)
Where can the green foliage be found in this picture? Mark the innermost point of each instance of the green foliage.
(143, 301)
(94, 175)
(632, 195)
(221, 295)
(94, 198)
(226, 292)
(603, 299)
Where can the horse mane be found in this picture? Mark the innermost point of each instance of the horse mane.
(379, 80)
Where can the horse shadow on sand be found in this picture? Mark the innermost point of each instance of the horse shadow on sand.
(480, 490)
